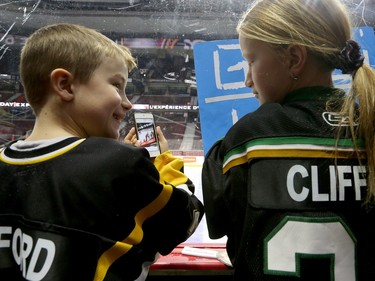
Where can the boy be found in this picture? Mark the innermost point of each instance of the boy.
(75, 203)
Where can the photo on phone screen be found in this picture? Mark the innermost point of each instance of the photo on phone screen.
(146, 132)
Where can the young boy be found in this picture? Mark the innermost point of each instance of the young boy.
(75, 203)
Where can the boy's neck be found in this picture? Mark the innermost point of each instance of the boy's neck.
(41, 132)
(50, 124)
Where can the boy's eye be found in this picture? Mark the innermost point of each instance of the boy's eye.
(116, 85)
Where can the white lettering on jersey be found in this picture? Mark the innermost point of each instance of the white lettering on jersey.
(27, 252)
(340, 181)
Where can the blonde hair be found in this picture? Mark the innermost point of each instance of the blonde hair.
(362, 93)
(78, 49)
(323, 27)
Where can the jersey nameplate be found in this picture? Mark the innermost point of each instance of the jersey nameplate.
(33, 255)
(301, 184)
(44, 255)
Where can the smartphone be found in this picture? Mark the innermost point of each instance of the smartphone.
(146, 132)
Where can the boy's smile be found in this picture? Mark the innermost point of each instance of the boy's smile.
(102, 101)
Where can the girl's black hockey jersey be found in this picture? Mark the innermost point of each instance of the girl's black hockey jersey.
(289, 196)
(90, 209)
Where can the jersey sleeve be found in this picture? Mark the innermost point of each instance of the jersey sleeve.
(171, 170)
(171, 212)
(213, 194)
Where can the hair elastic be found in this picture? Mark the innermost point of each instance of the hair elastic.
(350, 58)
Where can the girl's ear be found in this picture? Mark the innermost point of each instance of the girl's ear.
(297, 59)
(61, 81)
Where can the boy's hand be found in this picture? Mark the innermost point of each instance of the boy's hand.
(131, 138)
(163, 142)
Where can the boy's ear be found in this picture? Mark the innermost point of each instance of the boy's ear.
(297, 59)
(61, 82)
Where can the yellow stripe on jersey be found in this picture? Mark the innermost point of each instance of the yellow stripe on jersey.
(135, 237)
(295, 147)
(240, 159)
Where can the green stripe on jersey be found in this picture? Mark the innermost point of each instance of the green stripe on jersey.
(289, 147)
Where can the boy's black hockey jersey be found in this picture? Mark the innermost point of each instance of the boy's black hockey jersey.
(90, 209)
(289, 196)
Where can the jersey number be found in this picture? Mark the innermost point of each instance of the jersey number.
(298, 237)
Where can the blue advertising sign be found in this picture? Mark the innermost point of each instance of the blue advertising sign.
(222, 95)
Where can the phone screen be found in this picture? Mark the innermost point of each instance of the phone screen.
(146, 132)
